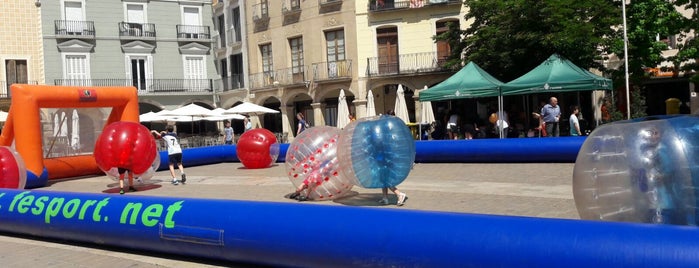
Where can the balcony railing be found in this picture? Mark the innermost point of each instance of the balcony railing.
(74, 29)
(292, 76)
(193, 32)
(383, 5)
(235, 81)
(136, 30)
(147, 86)
(405, 64)
(332, 70)
(263, 80)
(5, 88)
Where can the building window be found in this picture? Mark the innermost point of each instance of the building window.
(237, 70)
(138, 70)
(264, 8)
(335, 43)
(387, 45)
(222, 31)
(15, 73)
(76, 69)
(443, 48)
(266, 53)
(195, 72)
(296, 47)
(135, 13)
(236, 24)
(74, 15)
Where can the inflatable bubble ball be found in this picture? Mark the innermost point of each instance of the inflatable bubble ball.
(642, 170)
(13, 172)
(376, 151)
(127, 145)
(257, 148)
(311, 160)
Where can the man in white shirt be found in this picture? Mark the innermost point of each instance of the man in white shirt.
(174, 152)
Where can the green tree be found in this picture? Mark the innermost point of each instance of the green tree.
(638, 103)
(510, 37)
(689, 50)
(646, 21)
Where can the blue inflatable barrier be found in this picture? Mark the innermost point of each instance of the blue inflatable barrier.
(285, 234)
(529, 150)
(213, 155)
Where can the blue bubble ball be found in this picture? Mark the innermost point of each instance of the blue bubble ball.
(642, 170)
(376, 151)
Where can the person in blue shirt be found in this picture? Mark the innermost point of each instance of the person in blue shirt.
(228, 133)
(551, 114)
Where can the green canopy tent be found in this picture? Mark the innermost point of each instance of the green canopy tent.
(470, 82)
(556, 74)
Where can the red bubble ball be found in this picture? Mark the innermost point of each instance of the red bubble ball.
(257, 148)
(127, 145)
(13, 173)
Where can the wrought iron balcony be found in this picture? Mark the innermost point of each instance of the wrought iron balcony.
(189, 32)
(130, 30)
(74, 29)
(235, 81)
(294, 76)
(176, 86)
(264, 80)
(5, 88)
(332, 70)
(385, 5)
(405, 64)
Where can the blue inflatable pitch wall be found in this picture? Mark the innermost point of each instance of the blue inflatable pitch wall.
(529, 150)
(285, 234)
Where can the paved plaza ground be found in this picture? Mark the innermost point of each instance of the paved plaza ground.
(534, 190)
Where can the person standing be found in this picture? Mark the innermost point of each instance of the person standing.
(551, 114)
(401, 196)
(453, 126)
(228, 133)
(574, 123)
(121, 180)
(247, 123)
(174, 152)
(302, 123)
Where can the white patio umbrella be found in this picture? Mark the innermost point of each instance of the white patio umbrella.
(75, 131)
(191, 109)
(249, 108)
(3, 116)
(159, 117)
(370, 106)
(342, 110)
(64, 125)
(218, 115)
(426, 115)
(147, 117)
(401, 108)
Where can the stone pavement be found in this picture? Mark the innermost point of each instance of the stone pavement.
(536, 190)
